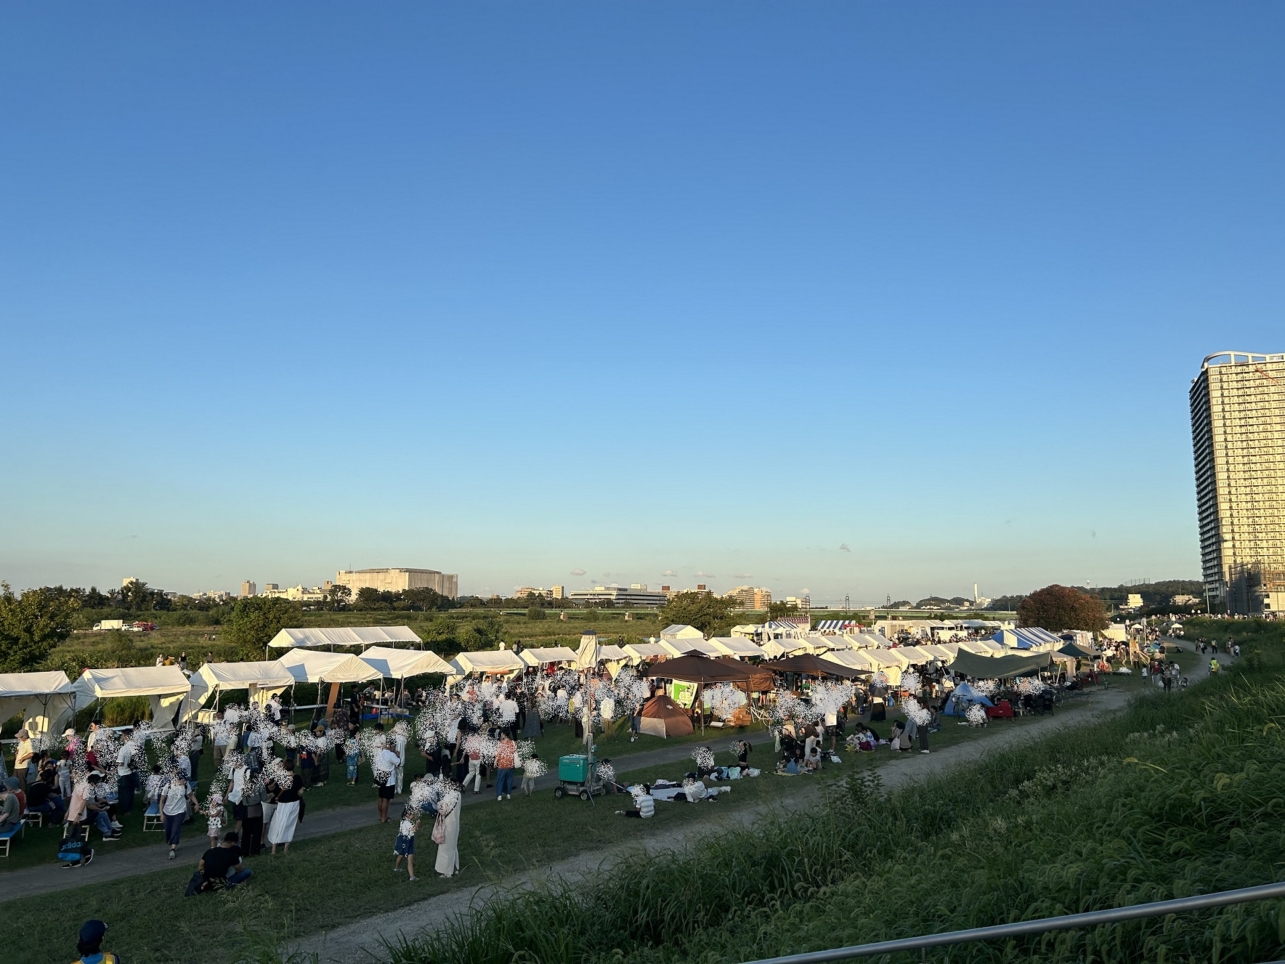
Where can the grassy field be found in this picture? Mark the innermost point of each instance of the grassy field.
(352, 870)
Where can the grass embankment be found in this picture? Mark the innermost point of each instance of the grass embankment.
(1180, 795)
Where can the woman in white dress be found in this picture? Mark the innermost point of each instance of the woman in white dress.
(285, 816)
(448, 851)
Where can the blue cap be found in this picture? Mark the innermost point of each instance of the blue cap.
(92, 931)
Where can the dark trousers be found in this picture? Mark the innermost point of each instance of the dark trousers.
(125, 787)
(173, 827)
(194, 759)
(252, 835)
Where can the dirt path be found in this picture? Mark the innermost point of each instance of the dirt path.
(364, 940)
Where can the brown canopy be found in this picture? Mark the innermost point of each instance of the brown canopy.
(662, 717)
(701, 669)
(809, 665)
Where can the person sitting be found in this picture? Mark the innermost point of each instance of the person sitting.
(899, 740)
(644, 804)
(813, 761)
(43, 798)
(90, 944)
(10, 812)
(221, 866)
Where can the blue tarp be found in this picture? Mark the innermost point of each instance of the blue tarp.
(960, 698)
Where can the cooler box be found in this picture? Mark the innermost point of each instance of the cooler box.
(573, 768)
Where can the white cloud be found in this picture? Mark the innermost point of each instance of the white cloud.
(742, 575)
(705, 575)
(843, 547)
(669, 572)
(577, 572)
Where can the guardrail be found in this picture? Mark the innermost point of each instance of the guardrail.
(1040, 926)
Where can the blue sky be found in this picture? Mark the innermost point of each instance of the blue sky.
(576, 293)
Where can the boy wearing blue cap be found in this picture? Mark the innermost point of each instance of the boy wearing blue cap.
(90, 945)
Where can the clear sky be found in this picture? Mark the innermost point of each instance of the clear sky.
(863, 298)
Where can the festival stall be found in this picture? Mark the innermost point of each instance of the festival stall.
(738, 647)
(543, 656)
(310, 666)
(164, 686)
(44, 700)
(983, 647)
(319, 636)
(664, 718)
(787, 646)
(999, 667)
(646, 652)
(1032, 638)
(260, 678)
(493, 662)
(400, 664)
(807, 664)
(684, 647)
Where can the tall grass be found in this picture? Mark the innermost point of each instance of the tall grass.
(1179, 795)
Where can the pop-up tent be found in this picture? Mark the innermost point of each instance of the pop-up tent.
(776, 648)
(44, 700)
(701, 669)
(164, 686)
(344, 636)
(998, 667)
(643, 652)
(493, 662)
(261, 678)
(738, 647)
(1078, 651)
(308, 666)
(664, 718)
(983, 647)
(542, 656)
(807, 664)
(685, 647)
(961, 697)
(404, 663)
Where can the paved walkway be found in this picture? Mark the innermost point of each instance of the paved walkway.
(363, 941)
(109, 865)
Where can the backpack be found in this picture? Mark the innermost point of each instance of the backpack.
(73, 850)
(439, 830)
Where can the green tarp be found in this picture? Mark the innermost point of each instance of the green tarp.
(1078, 651)
(998, 667)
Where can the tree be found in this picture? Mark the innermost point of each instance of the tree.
(338, 598)
(710, 614)
(1057, 608)
(32, 625)
(780, 609)
(254, 621)
(535, 612)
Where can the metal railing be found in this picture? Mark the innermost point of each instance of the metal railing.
(1040, 926)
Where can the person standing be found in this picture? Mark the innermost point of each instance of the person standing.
(22, 758)
(531, 768)
(446, 833)
(126, 779)
(385, 765)
(399, 747)
(252, 821)
(473, 749)
(220, 738)
(504, 761)
(285, 815)
(174, 803)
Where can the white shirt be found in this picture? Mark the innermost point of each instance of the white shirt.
(509, 710)
(388, 762)
(125, 760)
(174, 799)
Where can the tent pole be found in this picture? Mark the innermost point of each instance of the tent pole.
(330, 704)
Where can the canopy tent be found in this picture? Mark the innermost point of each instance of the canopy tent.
(682, 647)
(819, 644)
(664, 718)
(998, 667)
(960, 698)
(943, 651)
(701, 669)
(808, 664)
(640, 652)
(612, 653)
(492, 662)
(307, 666)
(261, 678)
(837, 625)
(1078, 651)
(44, 700)
(868, 661)
(403, 663)
(344, 636)
(866, 640)
(737, 646)
(918, 655)
(983, 647)
(788, 646)
(1032, 637)
(550, 654)
(164, 686)
(681, 631)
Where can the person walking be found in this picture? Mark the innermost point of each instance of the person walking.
(385, 766)
(446, 834)
(126, 779)
(174, 803)
(505, 752)
(286, 815)
(22, 758)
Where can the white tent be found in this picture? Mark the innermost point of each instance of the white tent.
(682, 645)
(401, 663)
(983, 647)
(681, 631)
(918, 655)
(612, 653)
(44, 700)
(261, 678)
(502, 662)
(870, 661)
(821, 643)
(639, 652)
(344, 636)
(164, 686)
(737, 646)
(776, 648)
(587, 654)
(867, 640)
(307, 666)
(943, 651)
(541, 656)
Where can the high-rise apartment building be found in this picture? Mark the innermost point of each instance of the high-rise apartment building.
(399, 580)
(748, 597)
(1238, 439)
(248, 588)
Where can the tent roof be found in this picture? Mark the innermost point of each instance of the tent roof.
(263, 674)
(998, 667)
(401, 663)
(1078, 651)
(33, 684)
(701, 669)
(810, 665)
(611, 652)
(131, 681)
(307, 666)
(737, 646)
(343, 636)
(647, 651)
(945, 651)
(916, 654)
(681, 631)
(538, 656)
(982, 647)
(784, 647)
(490, 661)
(681, 646)
(851, 659)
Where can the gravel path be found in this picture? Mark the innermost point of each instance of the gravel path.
(364, 940)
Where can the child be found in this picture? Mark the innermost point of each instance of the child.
(214, 811)
(352, 754)
(532, 767)
(404, 846)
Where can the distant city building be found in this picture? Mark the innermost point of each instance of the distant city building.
(638, 596)
(128, 581)
(1183, 600)
(748, 597)
(399, 580)
(295, 593)
(559, 592)
(1238, 441)
(803, 602)
(213, 595)
(1133, 601)
(249, 589)
(531, 591)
